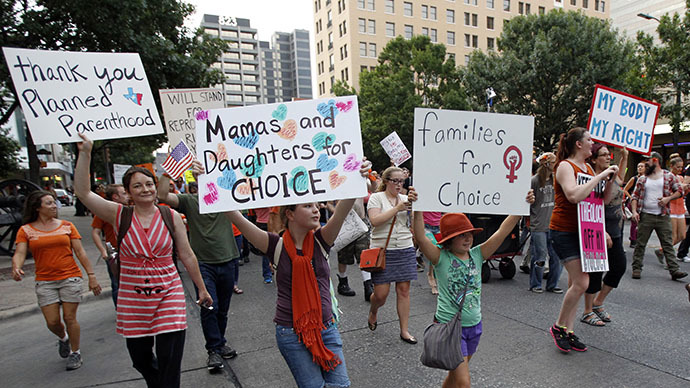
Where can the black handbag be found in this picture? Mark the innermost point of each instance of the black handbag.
(443, 341)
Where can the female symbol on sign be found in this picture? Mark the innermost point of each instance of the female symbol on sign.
(513, 162)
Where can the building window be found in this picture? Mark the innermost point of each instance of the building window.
(362, 49)
(573, 3)
(370, 5)
(360, 4)
(329, 17)
(408, 32)
(432, 13)
(471, 2)
(372, 27)
(506, 5)
(475, 41)
(585, 3)
(450, 16)
(390, 6)
(542, 10)
(407, 9)
(331, 62)
(425, 12)
(467, 60)
(362, 68)
(341, 6)
(467, 18)
(390, 29)
(489, 23)
(521, 8)
(599, 5)
(450, 38)
(372, 50)
(425, 31)
(474, 20)
(434, 35)
(330, 40)
(468, 40)
(490, 43)
(342, 28)
(490, 4)
(528, 8)
(343, 52)
(362, 25)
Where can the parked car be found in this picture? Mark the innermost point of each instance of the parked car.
(64, 197)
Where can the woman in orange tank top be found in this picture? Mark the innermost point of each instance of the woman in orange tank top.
(573, 150)
(678, 205)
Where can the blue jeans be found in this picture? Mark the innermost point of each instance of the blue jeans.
(114, 284)
(541, 246)
(219, 280)
(306, 372)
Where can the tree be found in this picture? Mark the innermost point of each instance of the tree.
(410, 73)
(666, 66)
(173, 56)
(8, 154)
(547, 67)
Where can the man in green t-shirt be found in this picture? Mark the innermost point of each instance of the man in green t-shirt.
(213, 243)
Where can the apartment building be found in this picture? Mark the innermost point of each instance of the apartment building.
(624, 15)
(349, 34)
(260, 71)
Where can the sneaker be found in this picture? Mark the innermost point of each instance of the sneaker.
(659, 256)
(555, 290)
(214, 362)
(678, 275)
(633, 243)
(268, 280)
(560, 338)
(246, 259)
(63, 348)
(226, 352)
(684, 259)
(575, 343)
(524, 268)
(344, 287)
(537, 290)
(73, 361)
(636, 274)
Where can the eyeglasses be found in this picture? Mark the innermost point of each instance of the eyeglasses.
(396, 181)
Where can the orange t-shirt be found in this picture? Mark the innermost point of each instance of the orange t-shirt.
(107, 229)
(235, 232)
(564, 215)
(52, 250)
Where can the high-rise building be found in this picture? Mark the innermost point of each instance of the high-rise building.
(257, 71)
(351, 33)
(624, 15)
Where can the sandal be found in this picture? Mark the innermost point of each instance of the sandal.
(237, 290)
(592, 319)
(601, 313)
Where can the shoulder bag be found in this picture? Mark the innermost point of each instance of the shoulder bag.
(374, 259)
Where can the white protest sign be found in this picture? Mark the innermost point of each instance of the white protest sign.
(179, 108)
(622, 120)
(352, 229)
(395, 149)
(279, 154)
(62, 93)
(119, 171)
(472, 162)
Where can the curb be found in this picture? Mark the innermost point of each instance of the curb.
(30, 309)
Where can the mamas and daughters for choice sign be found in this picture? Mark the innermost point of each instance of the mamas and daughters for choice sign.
(279, 154)
(622, 120)
(63, 93)
(472, 162)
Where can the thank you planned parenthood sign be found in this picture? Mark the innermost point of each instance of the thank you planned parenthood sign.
(472, 162)
(622, 120)
(62, 93)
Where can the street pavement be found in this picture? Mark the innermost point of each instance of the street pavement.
(646, 345)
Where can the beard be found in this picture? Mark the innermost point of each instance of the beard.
(649, 170)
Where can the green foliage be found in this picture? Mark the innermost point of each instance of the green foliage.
(8, 154)
(547, 67)
(410, 73)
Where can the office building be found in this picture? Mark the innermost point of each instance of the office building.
(286, 67)
(624, 15)
(349, 34)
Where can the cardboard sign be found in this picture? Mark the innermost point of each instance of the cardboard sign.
(622, 120)
(352, 229)
(279, 154)
(590, 221)
(472, 162)
(119, 171)
(395, 149)
(179, 108)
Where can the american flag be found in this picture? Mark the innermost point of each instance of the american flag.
(178, 161)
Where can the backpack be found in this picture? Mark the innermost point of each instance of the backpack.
(126, 222)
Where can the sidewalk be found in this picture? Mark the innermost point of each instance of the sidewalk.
(19, 298)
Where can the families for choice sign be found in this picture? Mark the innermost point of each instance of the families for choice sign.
(179, 109)
(622, 120)
(279, 154)
(590, 220)
(472, 162)
(62, 93)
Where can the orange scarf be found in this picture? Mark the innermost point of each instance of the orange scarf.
(306, 302)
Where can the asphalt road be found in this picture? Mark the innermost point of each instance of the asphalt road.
(646, 345)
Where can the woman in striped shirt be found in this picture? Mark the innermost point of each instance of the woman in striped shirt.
(151, 301)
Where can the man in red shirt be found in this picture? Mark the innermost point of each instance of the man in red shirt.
(115, 193)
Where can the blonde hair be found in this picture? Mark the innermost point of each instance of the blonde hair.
(386, 176)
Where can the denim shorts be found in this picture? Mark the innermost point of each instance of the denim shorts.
(55, 291)
(566, 245)
(306, 372)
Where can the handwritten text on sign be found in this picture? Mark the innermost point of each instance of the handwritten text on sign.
(622, 120)
(279, 154)
(472, 161)
(62, 93)
(395, 149)
(590, 219)
(179, 109)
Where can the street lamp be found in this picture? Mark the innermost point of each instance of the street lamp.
(648, 16)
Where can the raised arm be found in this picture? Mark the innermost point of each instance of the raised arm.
(574, 192)
(428, 249)
(251, 232)
(101, 207)
(622, 166)
(164, 194)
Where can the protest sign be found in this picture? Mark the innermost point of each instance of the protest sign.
(622, 120)
(279, 154)
(119, 171)
(395, 149)
(472, 162)
(591, 227)
(63, 93)
(179, 107)
(352, 229)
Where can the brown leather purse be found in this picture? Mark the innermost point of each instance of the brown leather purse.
(374, 259)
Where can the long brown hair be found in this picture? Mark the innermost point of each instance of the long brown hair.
(386, 176)
(566, 145)
(32, 204)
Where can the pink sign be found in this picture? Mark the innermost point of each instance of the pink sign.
(590, 219)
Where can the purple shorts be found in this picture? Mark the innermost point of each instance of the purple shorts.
(470, 338)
